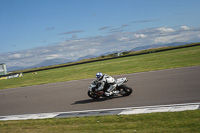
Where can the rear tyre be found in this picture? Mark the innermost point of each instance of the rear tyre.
(93, 95)
(125, 90)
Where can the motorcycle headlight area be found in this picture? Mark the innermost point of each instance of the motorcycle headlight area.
(92, 86)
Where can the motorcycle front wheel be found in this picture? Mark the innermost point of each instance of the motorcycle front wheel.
(93, 95)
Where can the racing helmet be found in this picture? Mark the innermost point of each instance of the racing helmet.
(99, 75)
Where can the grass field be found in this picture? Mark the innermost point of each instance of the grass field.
(155, 61)
(169, 122)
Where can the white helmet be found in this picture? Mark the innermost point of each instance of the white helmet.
(99, 75)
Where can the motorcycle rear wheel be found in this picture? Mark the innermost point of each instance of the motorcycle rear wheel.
(125, 90)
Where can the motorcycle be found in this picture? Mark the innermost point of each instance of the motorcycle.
(121, 89)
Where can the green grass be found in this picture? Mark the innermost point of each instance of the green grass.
(155, 61)
(169, 122)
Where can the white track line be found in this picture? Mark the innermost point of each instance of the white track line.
(124, 111)
(159, 109)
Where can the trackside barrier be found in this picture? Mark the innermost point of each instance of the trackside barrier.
(16, 75)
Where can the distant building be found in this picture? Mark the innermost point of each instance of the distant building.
(118, 54)
(3, 70)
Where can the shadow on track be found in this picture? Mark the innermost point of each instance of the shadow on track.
(95, 100)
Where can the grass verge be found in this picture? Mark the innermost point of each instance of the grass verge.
(154, 61)
(170, 122)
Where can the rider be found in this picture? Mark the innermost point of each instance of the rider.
(104, 78)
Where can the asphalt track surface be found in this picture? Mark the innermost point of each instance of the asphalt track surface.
(171, 86)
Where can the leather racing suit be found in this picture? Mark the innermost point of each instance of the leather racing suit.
(107, 79)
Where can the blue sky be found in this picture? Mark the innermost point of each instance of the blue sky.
(52, 28)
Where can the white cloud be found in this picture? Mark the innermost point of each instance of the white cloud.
(97, 45)
(45, 50)
(123, 38)
(15, 56)
(167, 39)
(185, 28)
(52, 56)
(139, 35)
(92, 51)
(164, 29)
(71, 32)
(104, 28)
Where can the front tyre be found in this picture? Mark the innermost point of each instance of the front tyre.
(125, 90)
(93, 95)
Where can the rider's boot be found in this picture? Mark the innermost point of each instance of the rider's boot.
(108, 93)
(115, 93)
